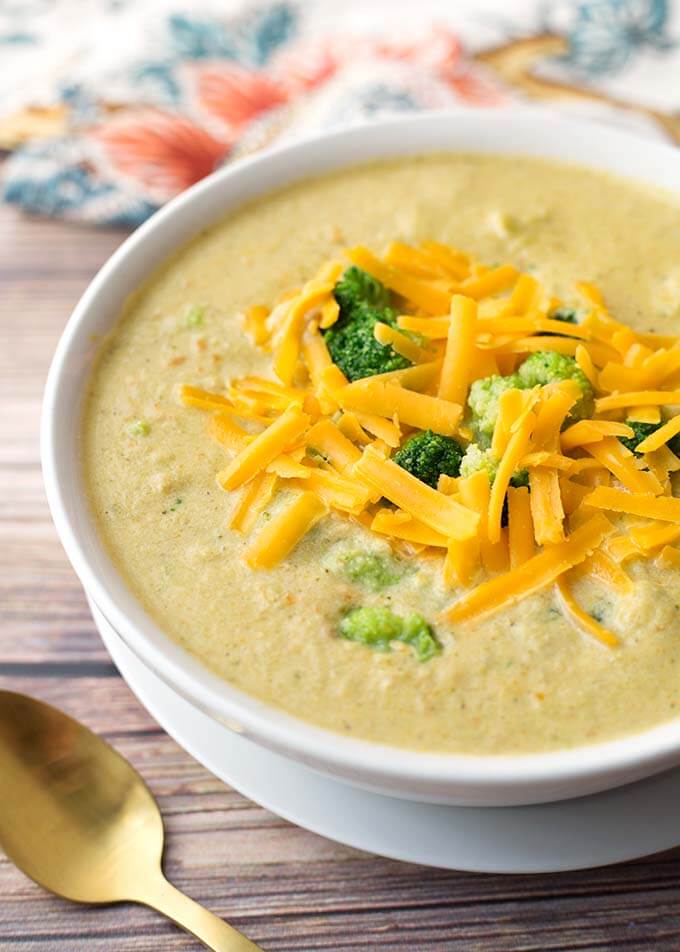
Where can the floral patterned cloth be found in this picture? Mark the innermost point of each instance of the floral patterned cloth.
(109, 108)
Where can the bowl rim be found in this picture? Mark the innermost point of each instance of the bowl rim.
(486, 131)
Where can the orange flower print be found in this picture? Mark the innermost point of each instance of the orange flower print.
(308, 65)
(441, 51)
(235, 95)
(438, 49)
(476, 89)
(163, 153)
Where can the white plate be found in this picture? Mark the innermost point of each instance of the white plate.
(609, 827)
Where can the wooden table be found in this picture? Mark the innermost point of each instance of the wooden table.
(288, 889)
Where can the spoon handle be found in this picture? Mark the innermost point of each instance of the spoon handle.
(209, 929)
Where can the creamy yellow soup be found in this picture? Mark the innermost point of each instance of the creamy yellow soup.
(522, 680)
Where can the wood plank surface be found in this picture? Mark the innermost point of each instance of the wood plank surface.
(288, 889)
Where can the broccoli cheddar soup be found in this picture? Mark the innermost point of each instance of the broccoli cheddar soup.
(397, 449)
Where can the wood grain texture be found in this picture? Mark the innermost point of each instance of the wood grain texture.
(288, 889)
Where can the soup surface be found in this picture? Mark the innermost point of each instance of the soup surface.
(522, 680)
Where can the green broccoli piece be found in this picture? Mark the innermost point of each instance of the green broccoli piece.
(520, 478)
(195, 316)
(140, 428)
(355, 350)
(537, 370)
(642, 431)
(483, 403)
(546, 367)
(374, 572)
(374, 626)
(356, 288)
(417, 633)
(565, 314)
(351, 343)
(377, 626)
(427, 455)
(477, 458)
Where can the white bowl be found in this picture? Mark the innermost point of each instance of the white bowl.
(446, 778)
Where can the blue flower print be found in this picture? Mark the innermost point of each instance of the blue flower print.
(605, 34)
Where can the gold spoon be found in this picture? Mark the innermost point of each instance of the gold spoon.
(81, 822)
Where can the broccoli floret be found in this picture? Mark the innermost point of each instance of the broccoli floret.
(477, 458)
(377, 626)
(642, 431)
(546, 367)
(565, 314)
(374, 572)
(537, 370)
(427, 455)
(351, 343)
(355, 350)
(520, 478)
(140, 428)
(356, 288)
(483, 402)
(417, 633)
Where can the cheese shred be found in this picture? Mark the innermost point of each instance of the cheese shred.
(304, 443)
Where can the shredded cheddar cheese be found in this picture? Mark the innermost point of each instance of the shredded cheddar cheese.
(641, 398)
(328, 440)
(204, 400)
(415, 409)
(514, 451)
(475, 493)
(266, 446)
(253, 498)
(644, 414)
(602, 566)
(496, 279)
(520, 526)
(664, 508)
(388, 522)
(284, 531)
(428, 295)
(670, 556)
(317, 445)
(315, 355)
(585, 362)
(660, 436)
(581, 618)
(460, 350)
(255, 323)
(461, 562)
(547, 510)
(592, 431)
(534, 574)
(439, 512)
(338, 492)
(654, 535)
(621, 463)
(403, 345)
(285, 359)
(224, 430)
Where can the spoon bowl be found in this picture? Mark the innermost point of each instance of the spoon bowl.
(80, 821)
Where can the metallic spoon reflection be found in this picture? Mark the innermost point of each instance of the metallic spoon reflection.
(81, 822)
